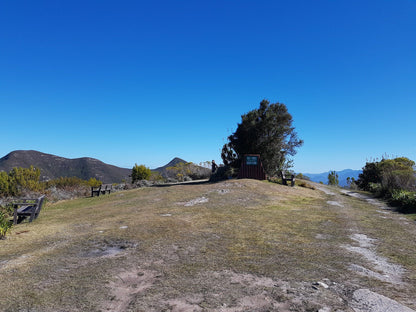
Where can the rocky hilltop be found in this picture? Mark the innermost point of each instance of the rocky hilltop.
(197, 172)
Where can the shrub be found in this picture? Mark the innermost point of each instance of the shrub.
(4, 184)
(405, 201)
(304, 184)
(5, 224)
(302, 177)
(181, 170)
(19, 179)
(93, 182)
(66, 182)
(140, 173)
(371, 174)
(156, 177)
(375, 188)
(26, 178)
(392, 174)
(223, 173)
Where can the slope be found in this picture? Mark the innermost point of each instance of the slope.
(53, 167)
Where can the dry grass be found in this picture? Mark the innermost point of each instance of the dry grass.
(210, 247)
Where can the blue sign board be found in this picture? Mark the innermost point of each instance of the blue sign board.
(251, 160)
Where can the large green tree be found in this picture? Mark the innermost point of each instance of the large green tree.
(267, 131)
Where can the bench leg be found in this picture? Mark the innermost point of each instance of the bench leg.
(32, 215)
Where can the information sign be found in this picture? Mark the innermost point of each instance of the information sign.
(251, 160)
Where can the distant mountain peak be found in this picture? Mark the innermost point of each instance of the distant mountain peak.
(174, 162)
(342, 176)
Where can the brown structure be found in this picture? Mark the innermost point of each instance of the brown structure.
(251, 168)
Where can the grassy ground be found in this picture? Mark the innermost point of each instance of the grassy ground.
(239, 245)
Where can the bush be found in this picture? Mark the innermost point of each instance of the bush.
(376, 188)
(4, 184)
(392, 174)
(66, 182)
(156, 177)
(405, 201)
(371, 174)
(302, 177)
(304, 184)
(5, 224)
(93, 182)
(181, 170)
(26, 178)
(140, 173)
(19, 179)
(223, 173)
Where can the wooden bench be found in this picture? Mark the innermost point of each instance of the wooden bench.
(101, 190)
(27, 207)
(286, 179)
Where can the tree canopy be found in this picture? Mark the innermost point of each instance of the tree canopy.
(267, 131)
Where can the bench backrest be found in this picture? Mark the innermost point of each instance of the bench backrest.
(102, 189)
(38, 207)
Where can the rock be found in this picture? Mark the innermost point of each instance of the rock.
(365, 300)
(316, 285)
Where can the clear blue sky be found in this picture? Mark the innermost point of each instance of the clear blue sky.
(145, 81)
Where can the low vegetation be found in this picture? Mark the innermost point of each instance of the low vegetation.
(25, 182)
(393, 180)
(140, 173)
(22, 181)
(186, 171)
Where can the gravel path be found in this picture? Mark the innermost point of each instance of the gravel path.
(365, 300)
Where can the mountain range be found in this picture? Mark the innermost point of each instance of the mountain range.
(52, 167)
(342, 176)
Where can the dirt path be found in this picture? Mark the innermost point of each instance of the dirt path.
(373, 265)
